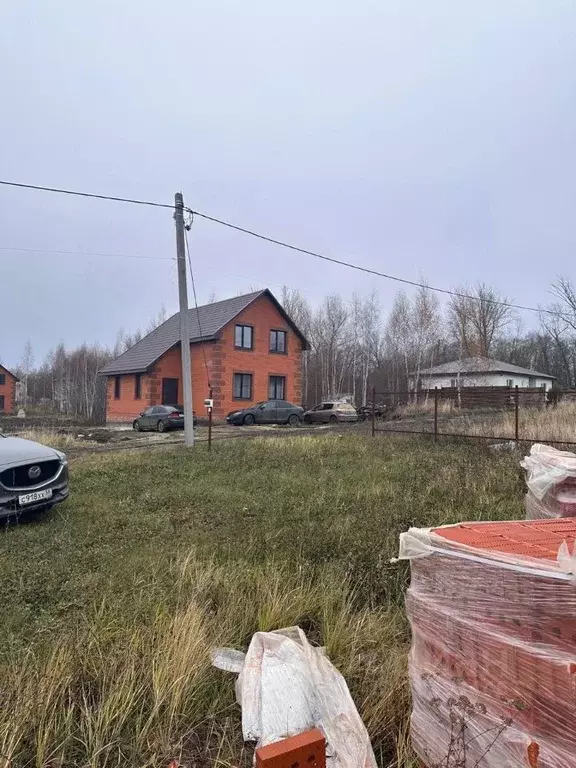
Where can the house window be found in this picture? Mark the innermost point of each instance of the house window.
(509, 383)
(138, 386)
(116, 387)
(243, 337)
(242, 386)
(278, 342)
(277, 388)
(1, 402)
(2, 379)
(453, 383)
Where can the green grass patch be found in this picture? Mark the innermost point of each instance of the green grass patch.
(112, 602)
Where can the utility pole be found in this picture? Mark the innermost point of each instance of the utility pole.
(184, 333)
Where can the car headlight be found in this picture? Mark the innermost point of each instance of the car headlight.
(62, 456)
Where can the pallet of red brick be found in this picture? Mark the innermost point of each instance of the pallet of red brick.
(492, 613)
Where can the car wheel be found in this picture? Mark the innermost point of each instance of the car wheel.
(333, 419)
(307, 419)
(136, 426)
(161, 427)
(293, 420)
(248, 420)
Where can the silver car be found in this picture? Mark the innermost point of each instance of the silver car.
(32, 476)
(331, 412)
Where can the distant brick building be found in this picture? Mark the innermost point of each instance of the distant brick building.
(7, 390)
(247, 348)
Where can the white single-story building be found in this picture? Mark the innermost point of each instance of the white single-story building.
(480, 372)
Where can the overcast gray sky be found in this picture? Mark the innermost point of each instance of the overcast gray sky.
(419, 138)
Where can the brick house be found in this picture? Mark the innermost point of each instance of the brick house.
(247, 348)
(7, 390)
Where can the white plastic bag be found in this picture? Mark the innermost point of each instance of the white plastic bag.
(546, 467)
(285, 686)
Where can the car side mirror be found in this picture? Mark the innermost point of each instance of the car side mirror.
(142, 414)
(261, 407)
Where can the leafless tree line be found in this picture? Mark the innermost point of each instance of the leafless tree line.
(355, 345)
(68, 380)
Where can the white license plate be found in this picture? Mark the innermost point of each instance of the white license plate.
(30, 498)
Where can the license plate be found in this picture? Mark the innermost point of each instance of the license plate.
(30, 498)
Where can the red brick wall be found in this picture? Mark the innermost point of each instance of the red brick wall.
(126, 407)
(8, 390)
(223, 361)
(259, 361)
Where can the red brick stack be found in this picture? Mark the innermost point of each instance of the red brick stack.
(493, 661)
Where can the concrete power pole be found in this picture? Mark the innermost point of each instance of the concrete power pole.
(184, 333)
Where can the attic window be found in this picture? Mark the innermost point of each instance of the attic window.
(243, 337)
(278, 342)
(2, 379)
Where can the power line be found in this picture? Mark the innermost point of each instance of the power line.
(85, 253)
(87, 194)
(282, 244)
(186, 228)
(360, 268)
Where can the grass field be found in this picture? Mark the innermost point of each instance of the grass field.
(112, 602)
(533, 424)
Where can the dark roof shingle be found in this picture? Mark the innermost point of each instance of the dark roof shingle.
(480, 365)
(210, 318)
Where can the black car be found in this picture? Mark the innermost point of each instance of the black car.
(269, 412)
(161, 418)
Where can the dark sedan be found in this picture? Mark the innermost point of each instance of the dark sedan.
(269, 412)
(161, 418)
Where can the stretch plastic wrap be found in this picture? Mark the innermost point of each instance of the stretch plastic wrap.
(493, 661)
(551, 481)
(287, 686)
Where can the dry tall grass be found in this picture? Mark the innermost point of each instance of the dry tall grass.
(139, 690)
(534, 424)
(107, 620)
(425, 408)
(50, 437)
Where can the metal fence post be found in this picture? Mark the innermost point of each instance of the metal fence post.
(516, 421)
(435, 414)
(210, 420)
(373, 411)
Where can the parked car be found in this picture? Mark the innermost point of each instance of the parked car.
(32, 476)
(161, 418)
(330, 413)
(269, 412)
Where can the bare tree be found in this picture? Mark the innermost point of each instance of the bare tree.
(298, 308)
(426, 329)
(477, 319)
(24, 369)
(564, 310)
(157, 320)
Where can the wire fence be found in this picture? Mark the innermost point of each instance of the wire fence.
(498, 414)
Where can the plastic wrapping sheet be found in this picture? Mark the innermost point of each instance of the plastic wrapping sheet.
(493, 662)
(551, 481)
(286, 686)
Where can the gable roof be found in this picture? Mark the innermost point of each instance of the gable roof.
(211, 318)
(480, 365)
(3, 367)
